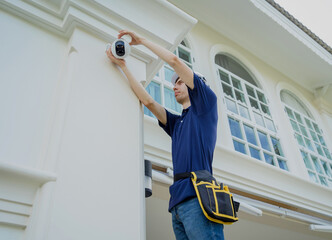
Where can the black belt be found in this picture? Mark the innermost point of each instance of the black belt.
(179, 176)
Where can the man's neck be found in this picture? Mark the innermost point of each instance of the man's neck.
(186, 105)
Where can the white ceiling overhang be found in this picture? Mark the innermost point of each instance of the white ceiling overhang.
(262, 30)
(157, 20)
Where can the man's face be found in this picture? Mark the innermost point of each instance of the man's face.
(181, 91)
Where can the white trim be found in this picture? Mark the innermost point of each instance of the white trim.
(30, 174)
(295, 31)
(321, 228)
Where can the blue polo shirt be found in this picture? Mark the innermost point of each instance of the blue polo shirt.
(193, 136)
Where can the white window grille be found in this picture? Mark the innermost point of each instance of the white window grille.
(314, 151)
(252, 127)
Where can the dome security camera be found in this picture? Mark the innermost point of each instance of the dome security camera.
(120, 48)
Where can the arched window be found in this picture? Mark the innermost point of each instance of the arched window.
(161, 88)
(309, 136)
(249, 117)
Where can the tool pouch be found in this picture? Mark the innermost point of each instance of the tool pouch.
(215, 199)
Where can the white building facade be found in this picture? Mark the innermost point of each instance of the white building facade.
(74, 136)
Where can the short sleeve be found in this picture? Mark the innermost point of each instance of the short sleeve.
(171, 120)
(202, 98)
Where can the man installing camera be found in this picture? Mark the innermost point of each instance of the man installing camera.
(193, 137)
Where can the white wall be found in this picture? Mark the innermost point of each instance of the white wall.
(30, 65)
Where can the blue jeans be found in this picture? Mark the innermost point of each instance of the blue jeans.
(190, 223)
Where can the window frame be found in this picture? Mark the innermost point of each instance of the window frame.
(251, 122)
(309, 152)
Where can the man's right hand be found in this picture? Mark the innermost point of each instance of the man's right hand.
(135, 39)
(120, 62)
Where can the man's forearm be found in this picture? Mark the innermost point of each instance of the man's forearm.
(184, 72)
(137, 87)
(161, 52)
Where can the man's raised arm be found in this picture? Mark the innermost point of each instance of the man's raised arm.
(184, 72)
(139, 90)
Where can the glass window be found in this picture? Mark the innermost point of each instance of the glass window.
(269, 158)
(231, 105)
(240, 147)
(154, 90)
(315, 153)
(249, 113)
(184, 55)
(170, 101)
(264, 141)
(276, 146)
(233, 66)
(254, 152)
(235, 128)
(168, 73)
(282, 164)
(250, 134)
(244, 111)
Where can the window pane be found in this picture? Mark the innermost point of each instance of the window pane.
(326, 169)
(294, 126)
(227, 90)
(244, 111)
(306, 160)
(321, 139)
(309, 145)
(298, 117)
(290, 113)
(224, 77)
(316, 127)
(184, 55)
(270, 124)
(264, 141)
(268, 158)
(276, 146)
(314, 136)
(259, 119)
(236, 83)
(323, 180)
(261, 97)
(231, 105)
(170, 101)
(235, 128)
(299, 139)
(154, 90)
(303, 130)
(308, 124)
(254, 153)
(327, 153)
(253, 103)
(250, 134)
(239, 147)
(313, 177)
(168, 74)
(282, 164)
(319, 150)
(265, 109)
(240, 96)
(250, 91)
(316, 163)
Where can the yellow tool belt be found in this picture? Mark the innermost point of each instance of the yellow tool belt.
(215, 199)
